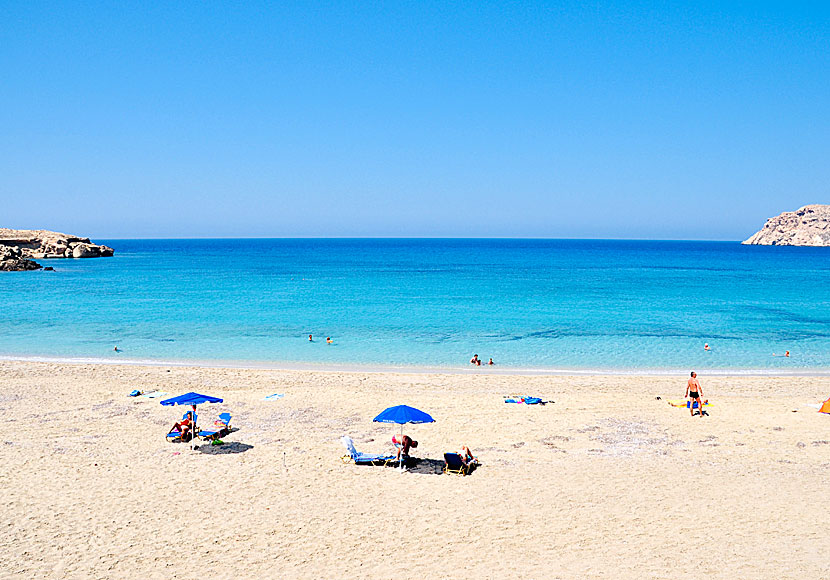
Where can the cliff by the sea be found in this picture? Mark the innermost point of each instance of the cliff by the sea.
(807, 226)
(20, 248)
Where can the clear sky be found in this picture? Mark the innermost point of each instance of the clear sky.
(452, 119)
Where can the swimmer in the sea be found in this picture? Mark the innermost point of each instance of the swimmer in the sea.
(115, 348)
(787, 354)
(310, 339)
(491, 361)
(329, 340)
(706, 346)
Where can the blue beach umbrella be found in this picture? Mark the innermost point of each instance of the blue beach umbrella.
(401, 415)
(191, 399)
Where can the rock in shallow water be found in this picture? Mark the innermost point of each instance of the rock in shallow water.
(12, 260)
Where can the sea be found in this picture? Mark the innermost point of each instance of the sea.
(546, 306)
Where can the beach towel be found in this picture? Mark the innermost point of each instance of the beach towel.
(154, 394)
(685, 403)
(524, 400)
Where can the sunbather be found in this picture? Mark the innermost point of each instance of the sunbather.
(467, 456)
(184, 426)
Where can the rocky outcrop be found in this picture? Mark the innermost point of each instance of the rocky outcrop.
(38, 244)
(12, 260)
(83, 250)
(808, 226)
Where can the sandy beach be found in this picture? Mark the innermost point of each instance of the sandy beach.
(607, 481)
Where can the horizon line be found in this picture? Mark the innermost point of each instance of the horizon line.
(418, 238)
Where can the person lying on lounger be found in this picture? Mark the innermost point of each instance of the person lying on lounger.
(184, 426)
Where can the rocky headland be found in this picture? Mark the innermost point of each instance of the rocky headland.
(807, 226)
(20, 248)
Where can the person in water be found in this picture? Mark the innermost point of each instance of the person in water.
(474, 360)
(329, 340)
(706, 346)
(694, 391)
(491, 361)
(115, 348)
(310, 339)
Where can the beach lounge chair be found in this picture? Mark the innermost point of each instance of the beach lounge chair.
(221, 428)
(455, 465)
(354, 456)
(176, 436)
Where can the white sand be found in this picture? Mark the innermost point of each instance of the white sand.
(607, 482)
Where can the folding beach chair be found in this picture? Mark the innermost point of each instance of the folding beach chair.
(354, 456)
(455, 465)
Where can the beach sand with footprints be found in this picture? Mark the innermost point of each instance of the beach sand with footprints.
(604, 481)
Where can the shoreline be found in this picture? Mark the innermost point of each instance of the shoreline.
(484, 370)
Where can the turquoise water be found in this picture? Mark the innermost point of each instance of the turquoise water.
(529, 304)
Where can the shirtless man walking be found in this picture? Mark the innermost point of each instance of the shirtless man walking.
(694, 391)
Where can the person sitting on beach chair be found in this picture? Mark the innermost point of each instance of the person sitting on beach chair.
(467, 456)
(460, 463)
(183, 428)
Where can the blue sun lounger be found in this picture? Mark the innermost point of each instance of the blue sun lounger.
(224, 424)
(354, 456)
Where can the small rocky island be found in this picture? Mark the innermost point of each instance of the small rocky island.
(807, 226)
(20, 248)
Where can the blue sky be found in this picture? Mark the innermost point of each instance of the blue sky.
(598, 120)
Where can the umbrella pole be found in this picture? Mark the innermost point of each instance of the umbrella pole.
(400, 463)
(193, 427)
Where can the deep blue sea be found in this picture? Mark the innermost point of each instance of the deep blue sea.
(546, 305)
